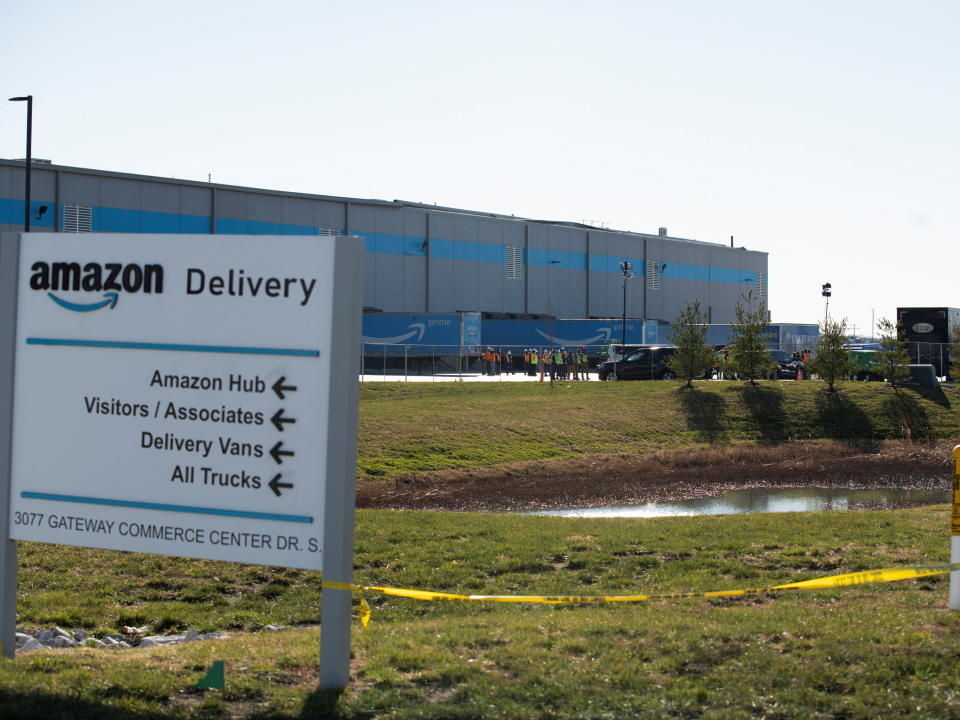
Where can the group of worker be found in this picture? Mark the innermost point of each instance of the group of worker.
(557, 363)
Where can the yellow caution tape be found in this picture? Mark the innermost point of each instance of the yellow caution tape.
(831, 581)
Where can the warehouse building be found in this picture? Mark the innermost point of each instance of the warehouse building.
(419, 258)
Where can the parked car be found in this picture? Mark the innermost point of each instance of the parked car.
(644, 362)
(788, 368)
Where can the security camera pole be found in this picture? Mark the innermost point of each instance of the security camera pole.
(29, 162)
(825, 291)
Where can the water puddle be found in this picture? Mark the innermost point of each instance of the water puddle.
(763, 500)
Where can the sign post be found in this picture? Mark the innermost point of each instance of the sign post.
(9, 254)
(190, 395)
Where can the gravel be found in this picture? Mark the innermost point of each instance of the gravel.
(56, 638)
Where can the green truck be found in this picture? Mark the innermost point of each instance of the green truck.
(864, 365)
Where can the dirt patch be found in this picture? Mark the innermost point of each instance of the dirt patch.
(663, 476)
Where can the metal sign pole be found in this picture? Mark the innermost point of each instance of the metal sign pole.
(341, 471)
(9, 261)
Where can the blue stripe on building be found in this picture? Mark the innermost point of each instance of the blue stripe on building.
(106, 219)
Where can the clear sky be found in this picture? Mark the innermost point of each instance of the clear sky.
(824, 133)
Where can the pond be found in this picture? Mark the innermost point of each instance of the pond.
(762, 500)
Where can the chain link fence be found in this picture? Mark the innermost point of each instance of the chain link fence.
(443, 362)
(936, 354)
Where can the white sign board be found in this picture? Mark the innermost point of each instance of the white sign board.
(172, 394)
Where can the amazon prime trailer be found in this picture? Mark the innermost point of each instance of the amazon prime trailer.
(789, 337)
(594, 334)
(420, 343)
(448, 343)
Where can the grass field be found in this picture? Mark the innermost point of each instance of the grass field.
(416, 427)
(860, 652)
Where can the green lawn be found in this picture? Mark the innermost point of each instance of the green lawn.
(861, 652)
(413, 427)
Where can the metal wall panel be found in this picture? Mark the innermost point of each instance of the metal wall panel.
(118, 193)
(195, 201)
(415, 262)
(513, 290)
(466, 283)
(330, 214)
(161, 198)
(538, 298)
(264, 208)
(232, 204)
(441, 268)
(298, 211)
(490, 275)
(79, 189)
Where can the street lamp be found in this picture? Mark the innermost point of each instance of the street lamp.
(626, 267)
(825, 290)
(26, 190)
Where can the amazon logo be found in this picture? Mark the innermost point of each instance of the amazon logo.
(109, 279)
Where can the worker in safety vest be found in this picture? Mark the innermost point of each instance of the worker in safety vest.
(583, 363)
(534, 361)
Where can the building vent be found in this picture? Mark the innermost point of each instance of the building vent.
(513, 261)
(653, 275)
(761, 286)
(328, 231)
(77, 218)
(663, 232)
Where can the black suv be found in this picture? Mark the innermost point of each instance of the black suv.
(644, 362)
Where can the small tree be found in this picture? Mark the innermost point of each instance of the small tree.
(689, 333)
(751, 357)
(892, 355)
(832, 362)
(955, 352)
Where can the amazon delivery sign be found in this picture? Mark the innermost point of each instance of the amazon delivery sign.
(173, 393)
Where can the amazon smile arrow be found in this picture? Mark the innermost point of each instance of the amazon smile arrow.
(111, 300)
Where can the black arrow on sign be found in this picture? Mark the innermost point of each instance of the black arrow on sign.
(279, 387)
(275, 484)
(278, 419)
(276, 452)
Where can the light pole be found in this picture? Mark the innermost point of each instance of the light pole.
(626, 267)
(825, 290)
(26, 189)
(873, 325)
